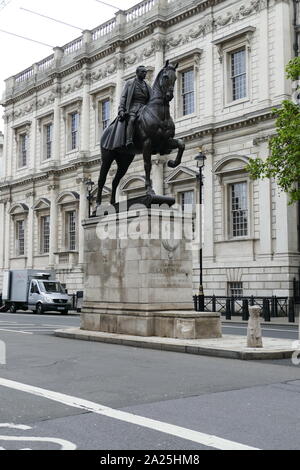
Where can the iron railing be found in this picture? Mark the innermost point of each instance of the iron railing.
(272, 307)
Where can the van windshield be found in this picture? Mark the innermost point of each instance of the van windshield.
(51, 287)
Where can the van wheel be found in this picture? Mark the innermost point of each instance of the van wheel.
(13, 308)
(39, 309)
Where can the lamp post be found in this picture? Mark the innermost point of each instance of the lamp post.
(200, 159)
(89, 186)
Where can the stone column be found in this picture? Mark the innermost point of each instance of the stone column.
(265, 209)
(2, 233)
(33, 141)
(56, 120)
(158, 175)
(159, 49)
(263, 57)
(53, 188)
(7, 234)
(283, 48)
(119, 78)
(6, 149)
(286, 228)
(30, 229)
(208, 81)
(83, 215)
(85, 111)
(208, 206)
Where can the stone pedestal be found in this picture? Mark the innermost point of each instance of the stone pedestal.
(139, 276)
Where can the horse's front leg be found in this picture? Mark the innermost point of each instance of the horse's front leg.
(147, 153)
(176, 144)
(105, 167)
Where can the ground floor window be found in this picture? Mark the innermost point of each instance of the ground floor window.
(20, 237)
(235, 289)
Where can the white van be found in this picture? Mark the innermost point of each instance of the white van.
(29, 289)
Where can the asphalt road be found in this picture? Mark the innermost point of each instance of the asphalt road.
(57, 393)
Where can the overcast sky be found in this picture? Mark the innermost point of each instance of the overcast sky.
(17, 54)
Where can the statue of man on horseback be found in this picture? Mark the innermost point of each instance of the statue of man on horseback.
(144, 125)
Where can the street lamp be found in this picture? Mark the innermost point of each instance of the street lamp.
(89, 186)
(200, 159)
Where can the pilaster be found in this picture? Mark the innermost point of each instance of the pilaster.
(53, 188)
(30, 229)
(83, 214)
(85, 112)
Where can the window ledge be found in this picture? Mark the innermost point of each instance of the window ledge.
(236, 102)
(238, 239)
(186, 117)
(72, 152)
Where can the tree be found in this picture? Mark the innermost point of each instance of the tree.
(283, 163)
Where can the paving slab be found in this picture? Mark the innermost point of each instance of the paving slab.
(229, 346)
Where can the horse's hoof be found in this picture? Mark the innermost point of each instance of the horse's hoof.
(171, 164)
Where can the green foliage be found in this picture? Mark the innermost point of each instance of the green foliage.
(283, 163)
(293, 69)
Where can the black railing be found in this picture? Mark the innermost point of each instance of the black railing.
(296, 286)
(272, 307)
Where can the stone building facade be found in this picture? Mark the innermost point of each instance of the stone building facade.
(1, 151)
(231, 56)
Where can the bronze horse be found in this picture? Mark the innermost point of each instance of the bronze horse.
(154, 133)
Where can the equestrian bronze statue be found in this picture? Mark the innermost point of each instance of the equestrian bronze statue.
(144, 125)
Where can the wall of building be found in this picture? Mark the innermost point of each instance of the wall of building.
(81, 74)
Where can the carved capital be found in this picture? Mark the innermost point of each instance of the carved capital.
(53, 187)
(30, 194)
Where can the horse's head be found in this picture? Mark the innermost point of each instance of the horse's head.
(167, 79)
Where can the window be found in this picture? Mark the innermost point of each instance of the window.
(188, 92)
(74, 121)
(235, 289)
(71, 230)
(48, 139)
(238, 74)
(105, 114)
(23, 149)
(45, 234)
(187, 201)
(239, 209)
(20, 237)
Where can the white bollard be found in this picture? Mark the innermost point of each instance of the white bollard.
(254, 334)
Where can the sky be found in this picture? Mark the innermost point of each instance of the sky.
(17, 54)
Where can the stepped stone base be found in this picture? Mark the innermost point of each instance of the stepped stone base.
(169, 324)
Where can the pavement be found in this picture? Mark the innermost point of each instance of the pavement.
(229, 346)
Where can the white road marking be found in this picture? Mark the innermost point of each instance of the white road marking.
(65, 445)
(15, 331)
(178, 431)
(23, 427)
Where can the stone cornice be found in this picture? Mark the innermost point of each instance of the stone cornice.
(47, 174)
(211, 129)
(248, 120)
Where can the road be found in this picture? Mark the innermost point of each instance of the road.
(58, 393)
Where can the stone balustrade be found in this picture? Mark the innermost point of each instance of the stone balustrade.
(123, 23)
